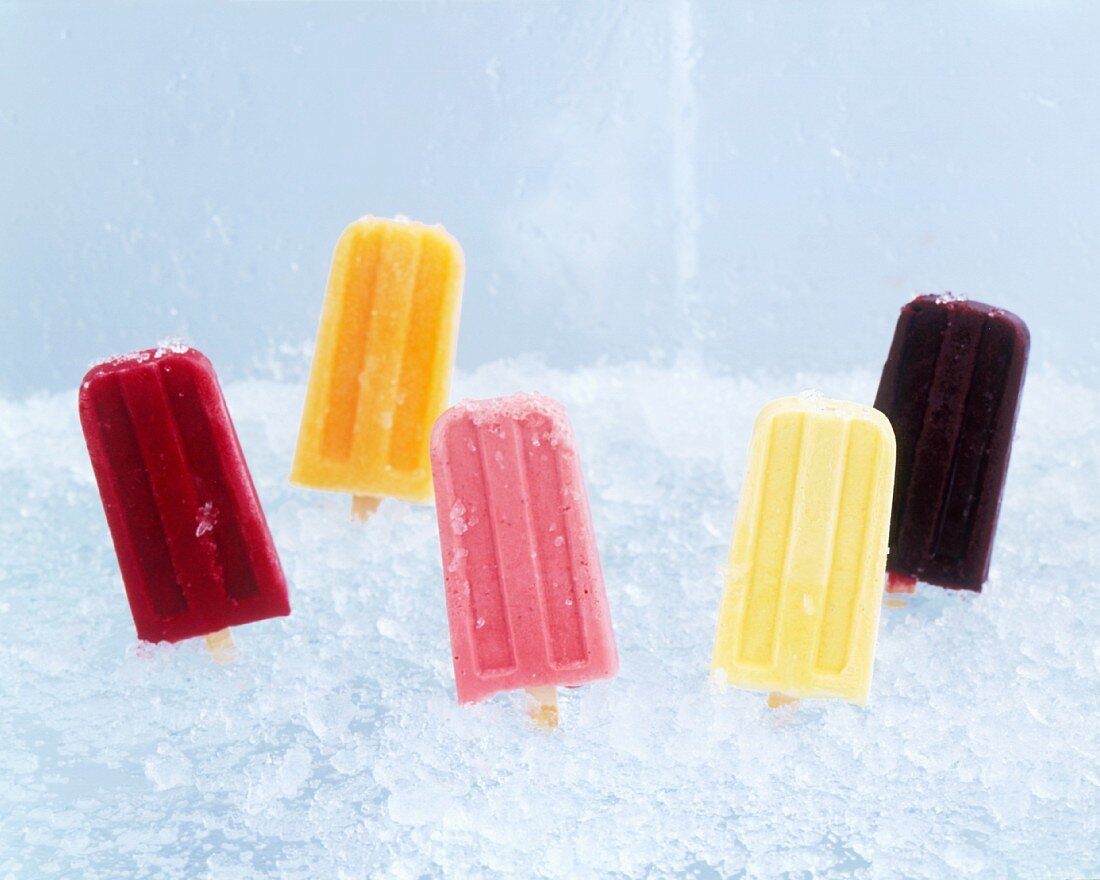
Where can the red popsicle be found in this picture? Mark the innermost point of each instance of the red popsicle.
(951, 389)
(192, 542)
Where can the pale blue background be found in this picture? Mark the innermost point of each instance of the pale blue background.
(743, 185)
(762, 183)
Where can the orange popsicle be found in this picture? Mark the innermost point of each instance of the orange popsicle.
(382, 368)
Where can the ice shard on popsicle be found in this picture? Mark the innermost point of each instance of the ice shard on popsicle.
(951, 389)
(382, 368)
(525, 595)
(192, 542)
(800, 611)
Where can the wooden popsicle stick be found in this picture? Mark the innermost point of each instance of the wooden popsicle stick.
(221, 647)
(898, 588)
(778, 701)
(542, 706)
(363, 507)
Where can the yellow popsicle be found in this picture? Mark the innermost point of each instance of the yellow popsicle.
(382, 368)
(800, 611)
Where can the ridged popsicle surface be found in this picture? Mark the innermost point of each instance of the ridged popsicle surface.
(382, 368)
(951, 389)
(192, 542)
(525, 594)
(800, 610)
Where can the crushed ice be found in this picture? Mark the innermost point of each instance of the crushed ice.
(208, 517)
(335, 747)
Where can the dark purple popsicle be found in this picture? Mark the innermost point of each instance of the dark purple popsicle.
(951, 389)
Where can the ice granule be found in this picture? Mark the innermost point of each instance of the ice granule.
(170, 345)
(458, 518)
(138, 357)
(457, 555)
(334, 747)
(207, 519)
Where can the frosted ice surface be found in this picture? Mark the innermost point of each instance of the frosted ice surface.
(207, 519)
(514, 406)
(458, 518)
(334, 747)
(171, 345)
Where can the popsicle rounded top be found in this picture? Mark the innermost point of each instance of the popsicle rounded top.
(803, 589)
(382, 368)
(525, 594)
(960, 304)
(811, 403)
(524, 405)
(951, 388)
(193, 546)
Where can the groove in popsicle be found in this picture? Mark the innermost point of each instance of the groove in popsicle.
(797, 500)
(353, 291)
(206, 466)
(957, 448)
(844, 594)
(378, 402)
(809, 551)
(546, 524)
(162, 450)
(836, 521)
(140, 513)
(964, 494)
(912, 381)
(489, 616)
(772, 542)
(417, 372)
(916, 532)
(749, 603)
(522, 492)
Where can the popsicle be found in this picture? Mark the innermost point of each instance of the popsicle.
(525, 594)
(192, 542)
(951, 389)
(800, 611)
(382, 368)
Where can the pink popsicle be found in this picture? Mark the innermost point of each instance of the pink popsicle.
(525, 594)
